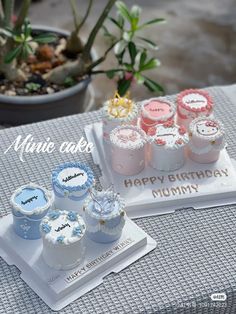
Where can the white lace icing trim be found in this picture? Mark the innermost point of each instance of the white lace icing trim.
(206, 149)
(104, 229)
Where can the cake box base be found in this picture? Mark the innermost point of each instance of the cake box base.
(59, 288)
(154, 192)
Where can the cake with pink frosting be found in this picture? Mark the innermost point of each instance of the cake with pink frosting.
(207, 139)
(118, 111)
(167, 146)
(191, 104)
(155, 111)
(128, 145)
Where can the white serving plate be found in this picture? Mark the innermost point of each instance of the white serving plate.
(59, 288)
(155, 192)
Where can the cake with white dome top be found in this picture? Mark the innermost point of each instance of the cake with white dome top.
(63, 239)
(207, 139)
(104, 216)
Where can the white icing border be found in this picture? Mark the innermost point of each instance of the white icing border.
(67, 240)
(38, 210)
(159, 99)
(144, 138)
(131, 116)
(211, 137)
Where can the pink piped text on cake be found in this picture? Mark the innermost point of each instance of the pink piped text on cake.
(157, 109)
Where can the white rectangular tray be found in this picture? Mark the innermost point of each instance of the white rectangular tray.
(153, 192)
(59, 288)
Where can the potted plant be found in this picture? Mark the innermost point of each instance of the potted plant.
(45, 72)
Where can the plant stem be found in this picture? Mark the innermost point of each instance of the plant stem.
(103, 58)
(85, 16)
(95, 30)
(8, 7)
(75, 13)
(104, 71)
(23, 13)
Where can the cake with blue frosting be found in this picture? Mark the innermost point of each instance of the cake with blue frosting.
(30, 203)
(71, 183)
(104, 216)
(63, 239)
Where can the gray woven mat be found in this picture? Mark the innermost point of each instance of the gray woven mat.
(195, 254)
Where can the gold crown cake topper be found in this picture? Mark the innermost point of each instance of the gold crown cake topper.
(120, 107)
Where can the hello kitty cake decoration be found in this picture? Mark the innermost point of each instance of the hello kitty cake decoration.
(207, 139)
(155, 111)
(193, 103)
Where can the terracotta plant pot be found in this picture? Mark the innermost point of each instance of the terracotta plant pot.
(15, 110)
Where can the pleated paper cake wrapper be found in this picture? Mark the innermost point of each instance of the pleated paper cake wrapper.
(59, 288)
(153, 192)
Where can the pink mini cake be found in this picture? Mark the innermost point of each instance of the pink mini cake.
(128, 150)
(155, 111)
(191, 104)
(207, 139)
(118, 111)
(167, 146)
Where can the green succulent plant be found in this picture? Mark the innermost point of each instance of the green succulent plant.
(131, 50)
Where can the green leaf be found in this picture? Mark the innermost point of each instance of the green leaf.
(153, 86)
(132, 51)
(120, 47)
(110, 74)
(135, 11)
(143, 58)
(123, 86)
(129, 67)
(151, 64)
(139, 78)
(115, 22)
(123, 10)
(45, 38)
(154, 21)
(149, 42)
(13, 54)
(6, 32)
(69, 81)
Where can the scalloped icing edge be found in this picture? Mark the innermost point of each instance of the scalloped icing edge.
(76, 188)
(69, 240)
(195, 91)
(159, 99)
(37, 210)
(125, 146)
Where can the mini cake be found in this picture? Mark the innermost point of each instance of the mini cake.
(30, 203)
(71, 183)
(128, 150)
(207, 139)
(167, 143)
(104, 216)
(155, 111)
(63, 239)
(118, 111)
(191, 104)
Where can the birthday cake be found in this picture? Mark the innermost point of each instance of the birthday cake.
(191, 104)
(207, 139)
(118, 111)
(30, 203)
(155, 111)
(104, 216)
(63, 239)
(71, 183)
(167, 146)
(128, 149)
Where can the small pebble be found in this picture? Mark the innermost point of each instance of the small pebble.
(50, 90)
(10, 93)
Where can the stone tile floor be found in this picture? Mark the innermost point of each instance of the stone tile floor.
(197, 45)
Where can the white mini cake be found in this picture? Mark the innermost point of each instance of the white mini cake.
(62, 233)
(118, 111)
(191, 104)
(71, 183)
(104, 216)
(128, 150)
(206, 140)
(167, 143)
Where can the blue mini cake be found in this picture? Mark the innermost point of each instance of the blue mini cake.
(71, 183)
(104, 216)
(30, 203)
